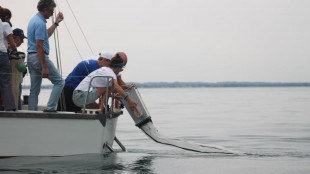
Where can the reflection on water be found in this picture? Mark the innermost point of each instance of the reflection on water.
(89, 163)
(142, 165)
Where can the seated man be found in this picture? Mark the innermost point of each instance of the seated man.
(82, 70)
(99, 85)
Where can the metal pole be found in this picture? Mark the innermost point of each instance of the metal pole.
(108, 77)
(107, 97)
(120, 144)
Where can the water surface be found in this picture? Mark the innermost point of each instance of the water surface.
(270, 125)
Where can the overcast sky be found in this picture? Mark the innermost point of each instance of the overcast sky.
(186, 40)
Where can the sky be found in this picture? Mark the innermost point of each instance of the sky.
(184, 40)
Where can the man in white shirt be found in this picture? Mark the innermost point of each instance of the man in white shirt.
(97, 88)
(5, 71)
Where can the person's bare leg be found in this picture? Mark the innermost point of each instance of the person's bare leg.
(93, 106)
(102, 94)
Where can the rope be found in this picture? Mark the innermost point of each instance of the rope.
(56, 38)
(59, 67)
(79, 27)
(72, 36)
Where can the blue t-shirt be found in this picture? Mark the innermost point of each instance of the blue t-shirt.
(80, 72)
(37, 30)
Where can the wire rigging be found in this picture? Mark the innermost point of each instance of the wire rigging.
(75, 45)
(80, 27)
(57, 48)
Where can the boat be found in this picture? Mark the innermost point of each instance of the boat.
(38, 133)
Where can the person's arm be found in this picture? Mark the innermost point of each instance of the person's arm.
(40, 52)
(122, 83)
(52, 28)
(7, 33)
(11, 42)
(102, 101)
(132, 104)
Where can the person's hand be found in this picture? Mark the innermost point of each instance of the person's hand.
(13, 53)
(126, 86)
(117, 96)
(132, 104)
(45, 73)
(59, 17)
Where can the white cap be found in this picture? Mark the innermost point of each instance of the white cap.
(106, 55)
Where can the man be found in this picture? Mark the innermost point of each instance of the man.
(16, 76)
(39, 64)
(119, 76)
(99, 84)
(82, 70)
(18, 36)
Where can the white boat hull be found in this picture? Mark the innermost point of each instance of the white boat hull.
(54, 136)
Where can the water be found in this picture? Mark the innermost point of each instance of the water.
(270, 125)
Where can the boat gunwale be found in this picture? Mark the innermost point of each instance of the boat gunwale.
(56, 115)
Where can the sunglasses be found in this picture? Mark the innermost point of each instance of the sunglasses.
(123, 68)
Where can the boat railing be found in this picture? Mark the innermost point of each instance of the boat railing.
(107, 93)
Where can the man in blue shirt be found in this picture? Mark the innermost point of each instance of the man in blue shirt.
(39, 64)
(82, 70)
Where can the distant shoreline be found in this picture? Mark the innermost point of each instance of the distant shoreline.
(205, 84)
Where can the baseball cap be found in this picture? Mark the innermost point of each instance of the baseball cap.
(106, 55)
(19, 32)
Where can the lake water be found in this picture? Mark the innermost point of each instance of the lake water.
(270, 125)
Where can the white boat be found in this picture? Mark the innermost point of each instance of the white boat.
(38, 133)
(35, 133)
